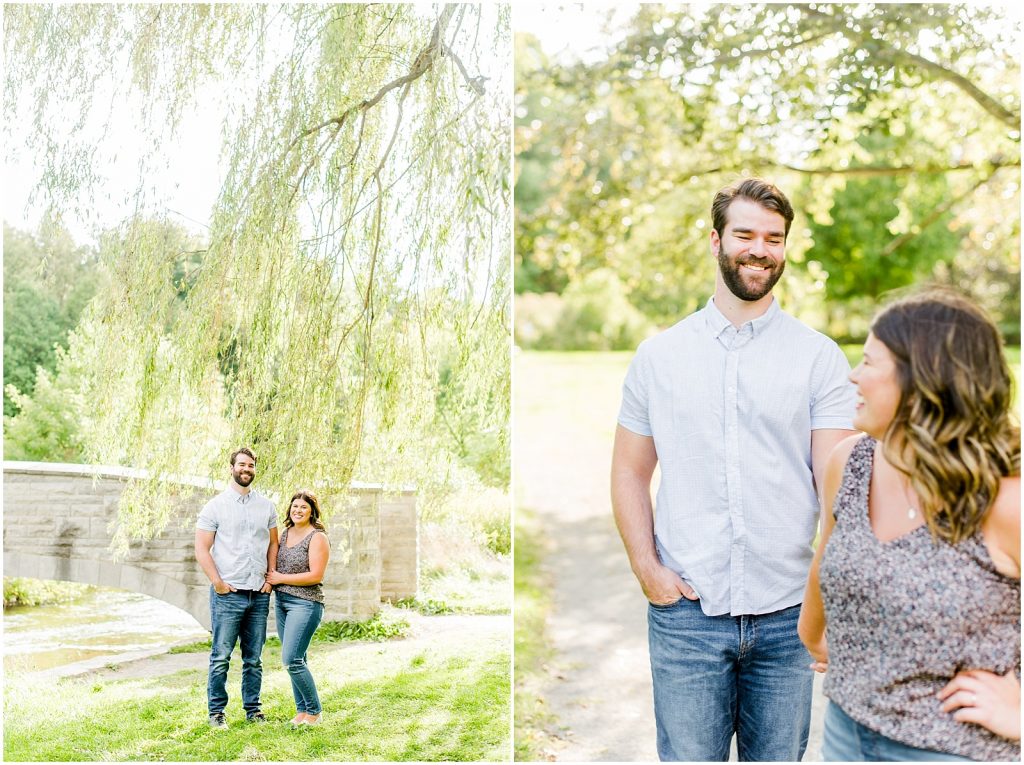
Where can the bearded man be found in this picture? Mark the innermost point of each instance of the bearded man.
(740, 404)
(236, 545)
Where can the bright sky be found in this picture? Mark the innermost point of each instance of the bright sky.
(190, 170)
(573, 31)
(188, 185)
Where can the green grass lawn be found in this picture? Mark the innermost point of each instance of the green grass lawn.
(532, 598)
(380, 703)
(383, 701)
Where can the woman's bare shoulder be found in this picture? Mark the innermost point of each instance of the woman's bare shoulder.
(1002, 527)
(840, 453)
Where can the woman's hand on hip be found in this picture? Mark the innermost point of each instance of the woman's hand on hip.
(985, 698)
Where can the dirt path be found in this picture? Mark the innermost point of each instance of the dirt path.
(600, 686)
(424, 632)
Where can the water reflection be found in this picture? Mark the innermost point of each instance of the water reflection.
(103, 626)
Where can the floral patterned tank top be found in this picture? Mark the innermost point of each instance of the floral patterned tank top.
(907, 615)
(295, 560)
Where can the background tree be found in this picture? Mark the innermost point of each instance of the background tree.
(47, 282)
(915, 108)
(358, 226)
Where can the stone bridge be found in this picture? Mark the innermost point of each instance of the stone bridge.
(58, 520)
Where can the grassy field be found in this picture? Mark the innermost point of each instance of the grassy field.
(444, 698)
(381, 702)
(531, 648)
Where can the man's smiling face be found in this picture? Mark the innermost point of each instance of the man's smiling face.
(244, 470)
(751, 251)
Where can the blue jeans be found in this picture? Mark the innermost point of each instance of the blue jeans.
(846, 740)
(719, 675)
(237, 617)
(297, 620)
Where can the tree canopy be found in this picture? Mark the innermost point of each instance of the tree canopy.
(351, 291)
(894, 129)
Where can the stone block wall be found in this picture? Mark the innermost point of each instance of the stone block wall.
(58, 521)
(399, 541)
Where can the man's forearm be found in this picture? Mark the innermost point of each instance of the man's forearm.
(634, 517)
(209, 568)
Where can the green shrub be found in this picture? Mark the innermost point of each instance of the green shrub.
(592, 314)
(427, 607)
(39, 592)
(378, 628)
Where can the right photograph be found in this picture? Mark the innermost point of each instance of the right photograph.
(766, 430)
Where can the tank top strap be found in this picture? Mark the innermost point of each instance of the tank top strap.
(852, 497)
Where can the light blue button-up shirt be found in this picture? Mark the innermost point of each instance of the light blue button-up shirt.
(243, 523)
(731, 412)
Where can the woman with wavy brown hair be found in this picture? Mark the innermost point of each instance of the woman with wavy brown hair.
(302, 558)
(917, 575)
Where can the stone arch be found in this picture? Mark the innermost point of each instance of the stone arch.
(106, 573)
(57, 521)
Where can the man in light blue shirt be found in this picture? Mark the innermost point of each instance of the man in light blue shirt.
(740, 405)
(236, 545)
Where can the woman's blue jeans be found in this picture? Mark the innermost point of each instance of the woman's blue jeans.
(297, 620)
(846, 740)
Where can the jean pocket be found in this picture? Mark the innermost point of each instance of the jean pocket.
(673, 604)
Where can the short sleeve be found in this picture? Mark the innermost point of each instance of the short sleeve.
(634, 413)
(833, 396)
(271, 517)
(208, 518)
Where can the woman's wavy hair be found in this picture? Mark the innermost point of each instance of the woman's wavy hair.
(314, 510)
(953, 435)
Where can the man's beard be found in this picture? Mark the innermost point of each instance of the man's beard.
(748, 290)
(242, 480)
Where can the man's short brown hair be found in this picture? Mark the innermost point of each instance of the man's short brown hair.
(243, 450)
(757, 190)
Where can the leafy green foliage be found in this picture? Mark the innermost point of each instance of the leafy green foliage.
(911, 112)
(47, 283)
(593, 314)
(376, 628)
(352, 287)
(39, 592)
(47, 427)
(427, 607)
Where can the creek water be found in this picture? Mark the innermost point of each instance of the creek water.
(102, 627)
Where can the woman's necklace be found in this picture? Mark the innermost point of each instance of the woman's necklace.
(911, 510)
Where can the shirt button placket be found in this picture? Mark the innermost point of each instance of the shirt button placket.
(735, 496)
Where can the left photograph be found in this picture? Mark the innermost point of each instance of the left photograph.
(257, 335)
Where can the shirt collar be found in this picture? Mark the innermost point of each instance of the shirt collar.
(718, 324)
(237, 496)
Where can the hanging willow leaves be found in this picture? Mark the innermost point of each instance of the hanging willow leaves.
(352, 291)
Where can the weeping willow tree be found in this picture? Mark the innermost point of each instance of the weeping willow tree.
(352, 294)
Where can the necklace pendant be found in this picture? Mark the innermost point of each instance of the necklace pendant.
(911, 513)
